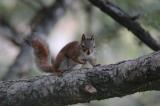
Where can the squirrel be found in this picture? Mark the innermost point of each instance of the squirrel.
(72, 54)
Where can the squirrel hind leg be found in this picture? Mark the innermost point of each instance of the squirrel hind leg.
(58, 72)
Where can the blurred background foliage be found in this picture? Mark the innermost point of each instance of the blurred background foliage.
(114, 42)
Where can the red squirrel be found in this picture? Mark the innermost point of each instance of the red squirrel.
(72, 54)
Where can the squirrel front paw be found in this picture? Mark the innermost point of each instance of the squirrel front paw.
(84, 61)
(58, 73)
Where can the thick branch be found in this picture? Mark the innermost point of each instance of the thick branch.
(127, 21)
(115, 80)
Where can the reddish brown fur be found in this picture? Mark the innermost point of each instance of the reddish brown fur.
(71, 50)
(40, 48)
(41, 52)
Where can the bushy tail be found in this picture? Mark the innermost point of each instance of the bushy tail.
(42, 53)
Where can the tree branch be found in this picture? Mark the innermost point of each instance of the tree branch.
(127, 21)
(84, 85)
(47, 17)
(22, 65)
(10, 32)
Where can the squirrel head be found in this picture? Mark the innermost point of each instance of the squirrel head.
(87, 44)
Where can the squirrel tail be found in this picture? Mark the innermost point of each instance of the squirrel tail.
(42, 54)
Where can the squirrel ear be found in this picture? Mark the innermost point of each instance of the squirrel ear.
(92, 37)
(83, 36)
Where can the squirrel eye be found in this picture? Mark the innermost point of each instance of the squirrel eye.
(83, 46)
(84, 49)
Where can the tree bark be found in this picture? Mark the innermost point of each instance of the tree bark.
(127, 21)
(75, 86)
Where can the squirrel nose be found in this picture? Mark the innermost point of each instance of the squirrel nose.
(88, 52)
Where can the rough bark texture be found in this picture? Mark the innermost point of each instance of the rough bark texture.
(127, 21)
(114, 80)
